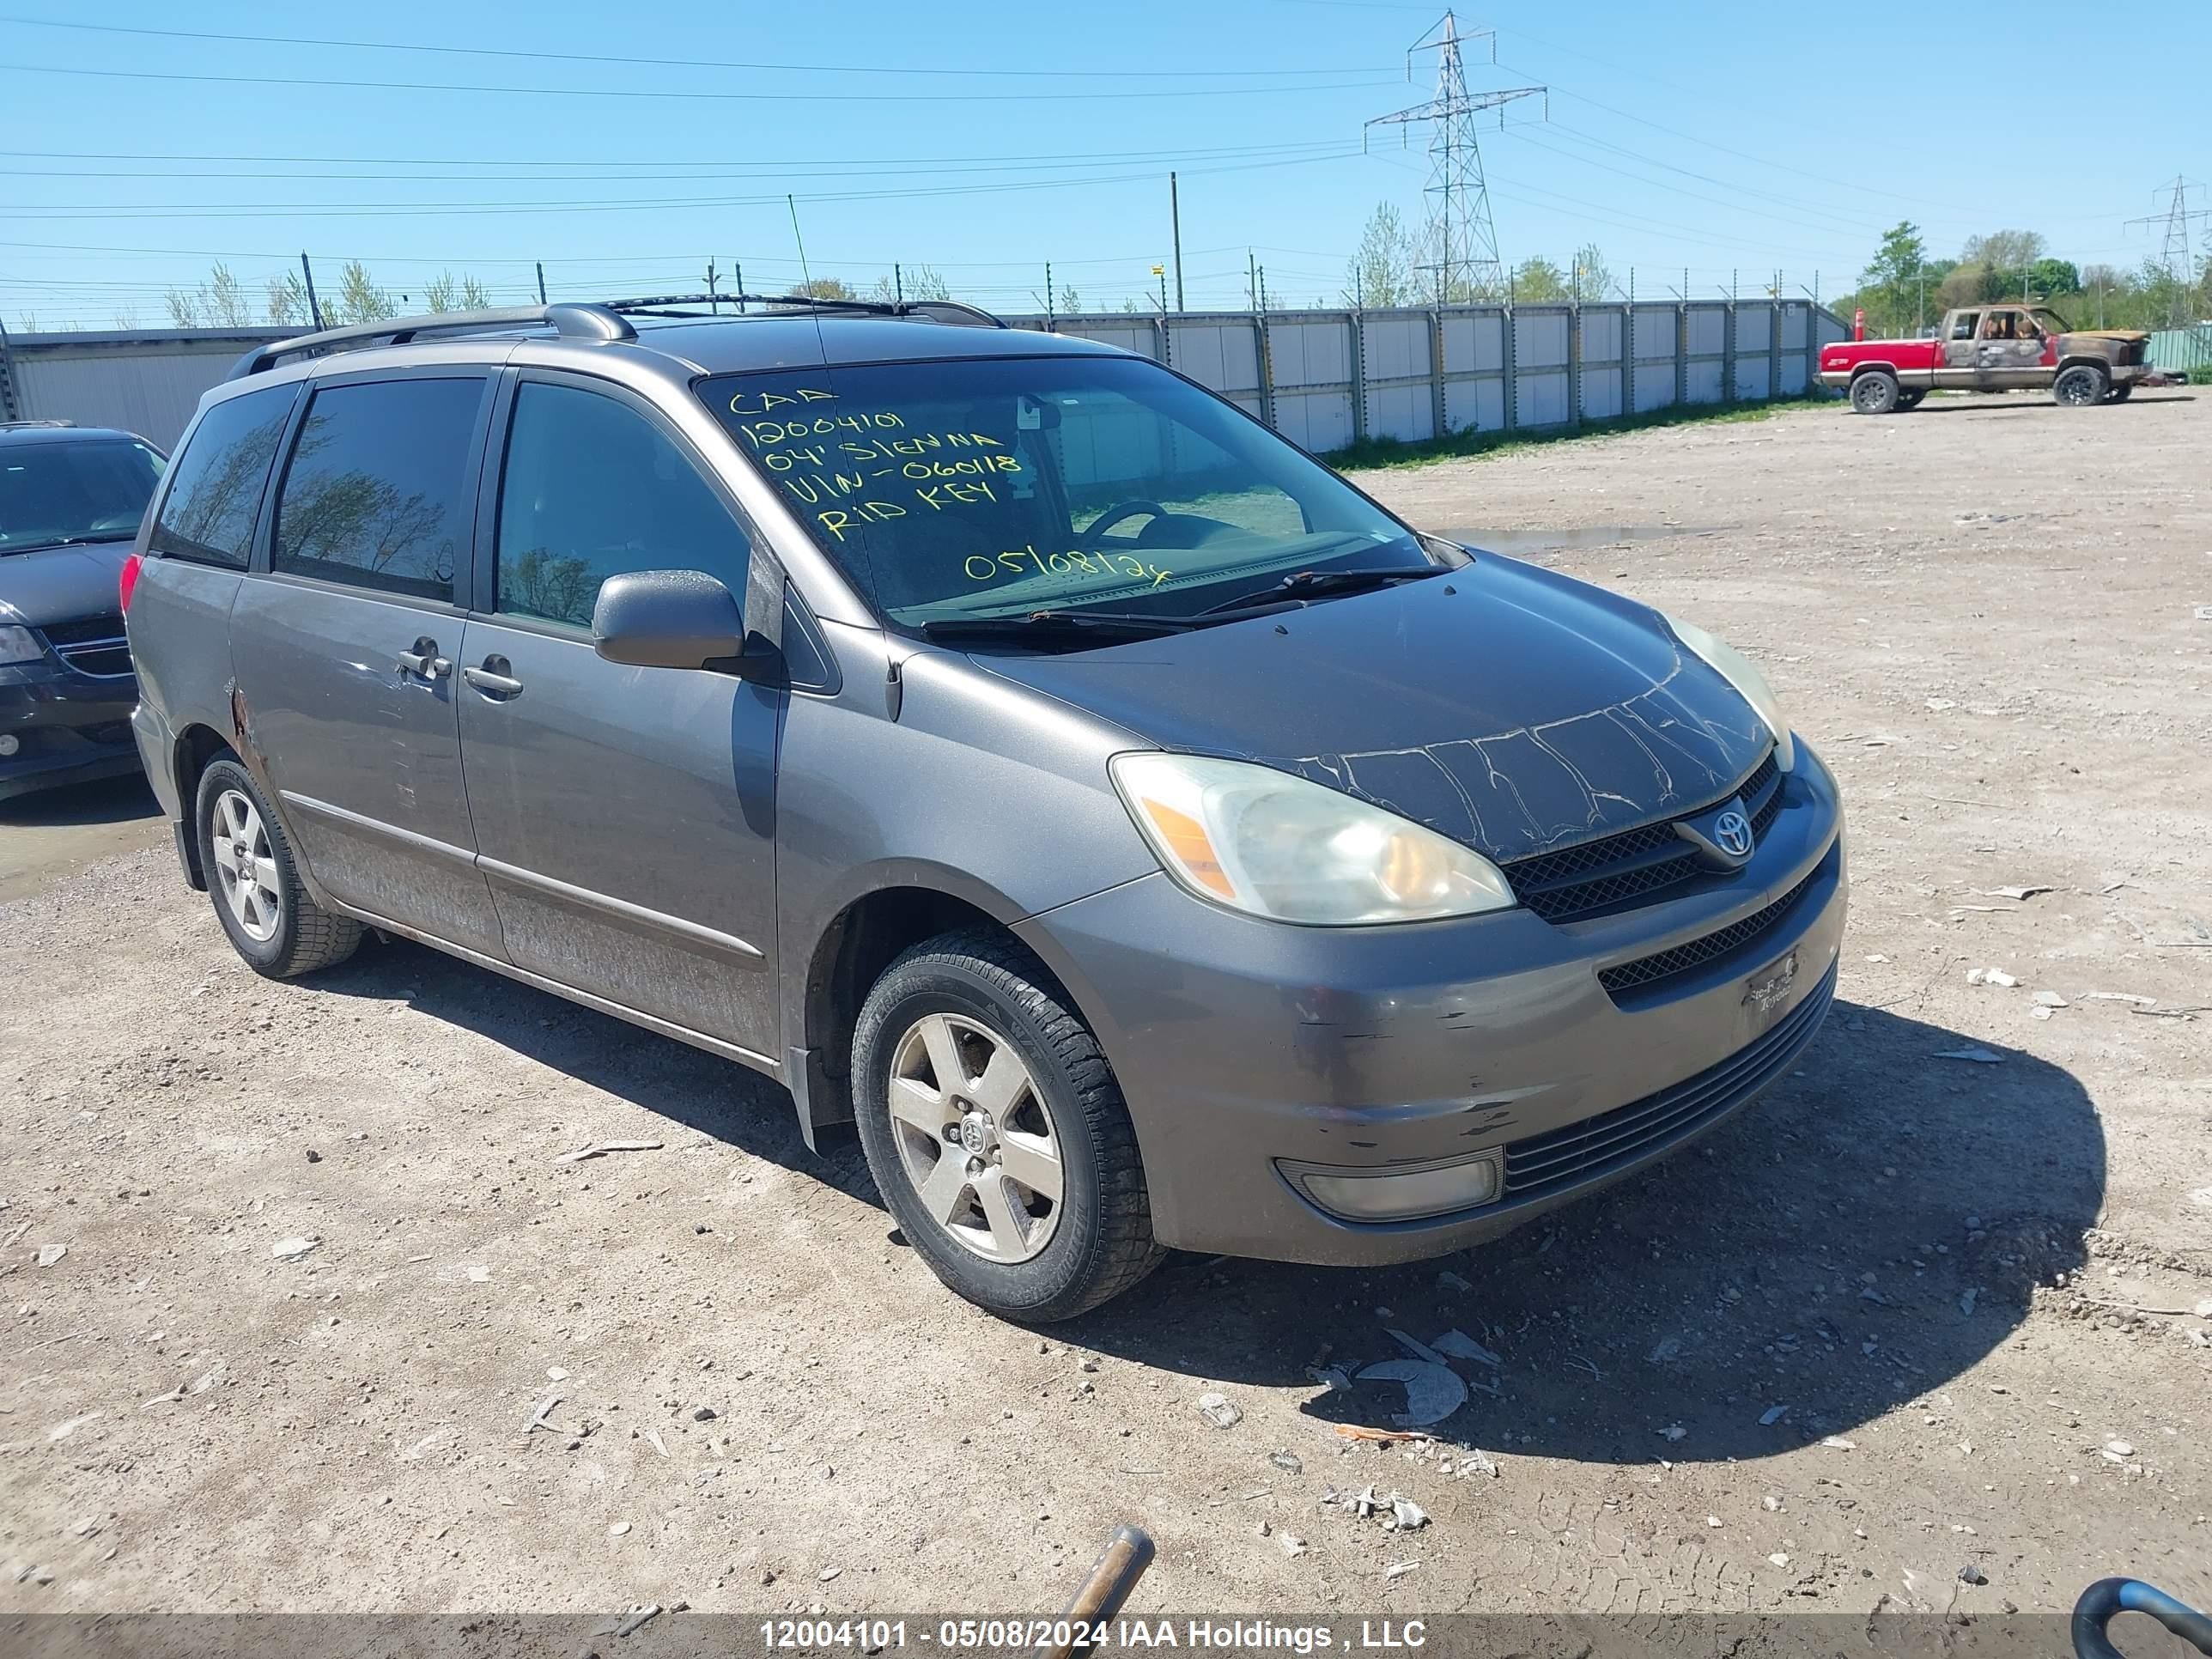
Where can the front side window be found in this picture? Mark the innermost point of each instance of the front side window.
(593, 490)
(207, 516)
(57, 492)
(377, 494)
(970, 489)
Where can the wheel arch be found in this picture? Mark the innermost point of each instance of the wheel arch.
(847, 954)
(191, 752)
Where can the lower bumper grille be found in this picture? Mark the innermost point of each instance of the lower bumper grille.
(1583, 1152)
(1665, 964)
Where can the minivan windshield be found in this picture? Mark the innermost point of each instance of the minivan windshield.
(956, 491)
(56, 493)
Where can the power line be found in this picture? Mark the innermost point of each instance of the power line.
(597, 58)
(327, 82)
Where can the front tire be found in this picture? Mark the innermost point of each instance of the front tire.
(2083, 386)
(996, 1131)
(258, 897)
(1874, 392)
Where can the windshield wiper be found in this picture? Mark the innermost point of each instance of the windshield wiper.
(64, 541)
(1060, 624)
(1306, 584)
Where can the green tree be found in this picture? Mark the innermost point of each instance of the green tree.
(1381, 274)
(288, 301)
(1536, 280)
(359, 300)
(826, 287)
(2048, 278)
(184, 306)
(1593, 278)
(1890, 286)
(1069, 298)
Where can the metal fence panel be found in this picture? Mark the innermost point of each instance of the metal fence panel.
(1323, 377)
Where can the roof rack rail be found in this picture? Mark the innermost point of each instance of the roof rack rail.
(588, 322)
(18, 426)
(960, 310)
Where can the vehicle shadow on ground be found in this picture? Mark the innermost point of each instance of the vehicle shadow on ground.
(1812, 1253)
(1999, 404)
(1815, 1253)
(109, 800)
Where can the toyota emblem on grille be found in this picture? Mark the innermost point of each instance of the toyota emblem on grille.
(1732, 833)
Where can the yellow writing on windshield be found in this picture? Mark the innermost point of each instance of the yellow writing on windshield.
(1025, 560)
(767, 402)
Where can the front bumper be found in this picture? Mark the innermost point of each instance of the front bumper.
(69, 727)
(1246, 1048)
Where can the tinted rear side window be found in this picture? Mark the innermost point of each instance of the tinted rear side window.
(376, 494)
(209, 513)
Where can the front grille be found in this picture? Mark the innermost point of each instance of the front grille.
(1585, 1151)
(1664, 965)
(1636, 864)
(92, 645)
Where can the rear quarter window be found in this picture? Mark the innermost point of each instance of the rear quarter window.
(376, 494)
(214, 491)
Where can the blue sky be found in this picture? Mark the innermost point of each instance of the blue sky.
(1697, 135)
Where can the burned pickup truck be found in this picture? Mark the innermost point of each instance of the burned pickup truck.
(1992, 348)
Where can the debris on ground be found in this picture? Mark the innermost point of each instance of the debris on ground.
(603, 1147)
(1379, 1437)
(1216, 1409)
(1671, 1431)
(1433, 1391)
(1992, 976)
(50, 1254)
(1449, 1280)
(1974, 1051)
(1417, 1348)
(1839, 1443)
(291, 1249)
(1971, 1574)
(1773, 1415)
(1966, 1298)
(630, 1623)
(1459, 1346)
(537, 1418)
(1291, 1543)
(1288, 1462)
(1399, 1569)
(1408, 1514)
(2009, 892)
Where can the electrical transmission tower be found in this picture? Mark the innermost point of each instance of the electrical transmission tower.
(2175, 257)
(1462, 241)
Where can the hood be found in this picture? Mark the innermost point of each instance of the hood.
(60, 584)
(1521, 713)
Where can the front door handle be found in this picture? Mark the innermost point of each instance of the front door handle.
(424, 662)
(493, 679)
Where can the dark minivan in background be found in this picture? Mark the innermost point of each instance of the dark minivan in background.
(70, 502)
(1144, 838)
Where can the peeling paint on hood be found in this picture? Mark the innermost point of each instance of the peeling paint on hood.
(1519, 714)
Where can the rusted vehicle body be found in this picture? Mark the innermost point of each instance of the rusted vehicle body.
(2003, 347)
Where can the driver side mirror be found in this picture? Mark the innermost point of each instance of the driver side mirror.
(677, 619)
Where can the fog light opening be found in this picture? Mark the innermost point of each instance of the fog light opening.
(9, 743)
(1403, 1193)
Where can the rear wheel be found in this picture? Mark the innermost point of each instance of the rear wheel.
(2079, 385)
(1875, 393)
(255, 885)
(996, 1132)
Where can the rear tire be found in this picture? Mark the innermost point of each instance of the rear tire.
(967, 1164)
(2081, 386)
(254, 884)
(1875, 393)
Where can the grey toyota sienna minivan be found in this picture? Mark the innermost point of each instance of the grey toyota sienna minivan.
(1145, 839)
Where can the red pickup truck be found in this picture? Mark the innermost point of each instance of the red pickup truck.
(1992, 348)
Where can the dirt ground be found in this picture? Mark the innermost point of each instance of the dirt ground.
(1918, 1332)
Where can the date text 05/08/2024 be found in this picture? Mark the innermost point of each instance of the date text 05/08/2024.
(1030, 1635)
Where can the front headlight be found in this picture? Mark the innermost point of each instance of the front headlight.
(19, 645)
(1276, 846)
(1732, 666)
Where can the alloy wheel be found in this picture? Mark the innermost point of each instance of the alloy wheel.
(975, 1137)
(246, 866)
